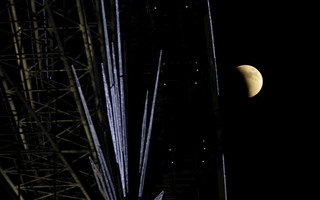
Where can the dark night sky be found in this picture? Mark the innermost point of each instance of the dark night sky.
(270, 144)
(267, 136)
(259, 133)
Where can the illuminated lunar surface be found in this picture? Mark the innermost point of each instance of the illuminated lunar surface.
(253, 79)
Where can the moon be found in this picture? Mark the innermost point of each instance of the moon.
(253, 79)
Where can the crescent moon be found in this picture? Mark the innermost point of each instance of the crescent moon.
(253, 79)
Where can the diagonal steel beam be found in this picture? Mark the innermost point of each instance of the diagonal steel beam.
(102, 160)
(72, 82)
(89, 53)
(47, 135)
(20, 52)
(36, 36)
(9, 181)
(14, 113)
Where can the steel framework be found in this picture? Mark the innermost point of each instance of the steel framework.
(46, 141)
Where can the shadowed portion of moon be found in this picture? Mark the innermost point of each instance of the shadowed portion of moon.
(253, 79)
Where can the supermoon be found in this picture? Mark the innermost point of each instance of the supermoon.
(253, 79)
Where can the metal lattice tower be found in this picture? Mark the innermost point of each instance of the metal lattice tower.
(45, 142)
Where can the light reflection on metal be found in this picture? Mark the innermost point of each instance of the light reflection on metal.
(110, 113)
(213, 47)
(159, 197)
(122, 102)
(113, 83)
(113, 77)
(105, 31)
(99, 180)
(101, 158)
(117, 98)
(143, 131)
(146, 153)
(224, 177)
(117, 109)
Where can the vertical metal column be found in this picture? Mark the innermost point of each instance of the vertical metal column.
(222, 189)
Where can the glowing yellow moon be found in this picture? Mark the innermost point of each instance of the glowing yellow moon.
(253, 79)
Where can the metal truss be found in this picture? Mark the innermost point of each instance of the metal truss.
(45, 141)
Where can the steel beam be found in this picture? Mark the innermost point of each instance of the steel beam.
(89, 54)
(47, 135)
(72, 82)
(16, 32)
(11, 184)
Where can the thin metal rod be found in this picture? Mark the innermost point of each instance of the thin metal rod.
(117, 110)
(101, 158)
(224, 177)
(109, 112)
(106, 37)
(117, 123)
(144, 167)
(213, 46)
(116, 103)
(118, 36)
(99, 180)
(143, 131)
(159, 197)
(122, 98)
(106, 172)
